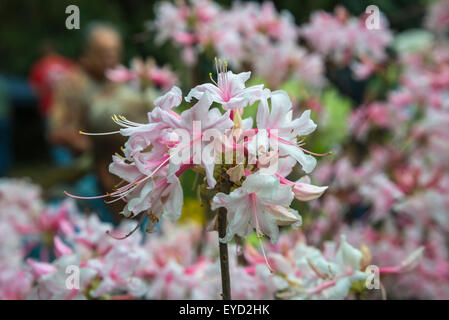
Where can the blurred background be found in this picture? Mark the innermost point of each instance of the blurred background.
(380, 99)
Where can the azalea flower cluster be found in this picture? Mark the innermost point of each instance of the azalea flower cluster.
(249, 35)
(346, 41)
(143, 74)
(178, 262)
(23, 215)
(251, 183)
(390, 189)
(136, 88)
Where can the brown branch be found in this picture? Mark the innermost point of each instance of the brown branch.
(224, 259)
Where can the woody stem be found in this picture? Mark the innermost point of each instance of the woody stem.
(224, 259)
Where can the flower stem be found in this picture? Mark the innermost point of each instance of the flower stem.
(224, 259)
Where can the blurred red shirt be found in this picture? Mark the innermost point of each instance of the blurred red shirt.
(44, 76)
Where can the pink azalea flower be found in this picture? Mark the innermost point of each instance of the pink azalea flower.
(229, 90)
(261, 203)
(287, 130)
(52, 279)
(117, 270)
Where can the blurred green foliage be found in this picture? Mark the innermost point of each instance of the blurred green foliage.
(334, 130)
(25, 24)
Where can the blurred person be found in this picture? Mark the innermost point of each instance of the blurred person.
(77, 91)
(85, 100)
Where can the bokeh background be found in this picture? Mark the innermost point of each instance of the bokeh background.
(382, 113)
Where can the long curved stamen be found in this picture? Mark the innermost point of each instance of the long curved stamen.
(222, 74)
(216, 68)
(218, 74)
(126, 192)
(265, 255)
(98, 133)
(129, 122)
(85, 198)
(119, 184)
(316, 154)
(155, 170)
(254, 207)
(142, 219)
(134, 185)
(226, 79)
(213, 81)
(124, 188)
(113, 194)
(117, 199)
(305, 150)
(221, 67)
(122, 192)
(122, 121)
(152, 173)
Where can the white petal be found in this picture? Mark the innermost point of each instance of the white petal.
(169, 100)
(198, 92)
(348, 256)
(307, 162)
(304, 125)
(173, 204)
